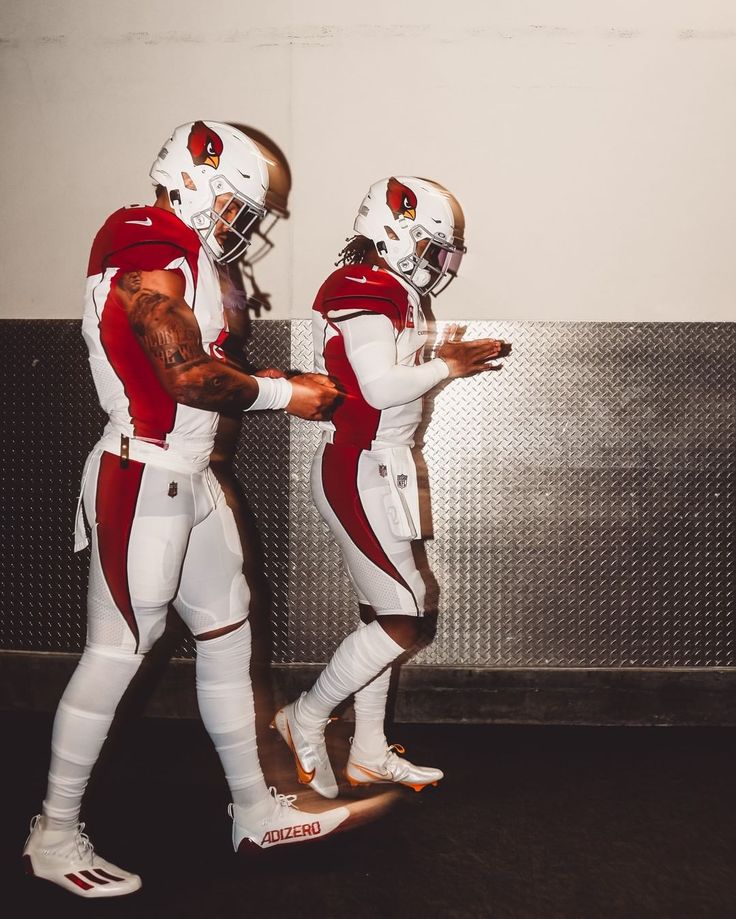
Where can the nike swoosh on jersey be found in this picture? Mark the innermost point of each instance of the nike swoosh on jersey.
(359, 280)
(146, 222)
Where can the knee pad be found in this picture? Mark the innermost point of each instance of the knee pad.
(221, 608)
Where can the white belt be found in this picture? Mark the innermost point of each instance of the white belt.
(330, 437)
(170, 456)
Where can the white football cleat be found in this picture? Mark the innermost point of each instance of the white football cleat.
(307, 745)
(284, 824)
(67, 858)
(389, 767)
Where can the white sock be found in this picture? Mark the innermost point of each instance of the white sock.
(82, 720)
(370, 714)
(358, 660)
(225, 699)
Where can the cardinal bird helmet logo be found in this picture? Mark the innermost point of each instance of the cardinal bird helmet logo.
(401, 200)
(204, 145)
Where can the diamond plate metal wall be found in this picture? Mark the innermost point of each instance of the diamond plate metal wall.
(262, 468)
(582, 499)
(49, 419)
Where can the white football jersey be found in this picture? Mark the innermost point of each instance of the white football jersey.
(160, 430)
(351, 292)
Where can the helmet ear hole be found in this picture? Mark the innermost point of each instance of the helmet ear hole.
(188, 181)
(390, 233)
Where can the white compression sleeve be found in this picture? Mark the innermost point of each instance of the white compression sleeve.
(83, 718)
(358, 659)
(370, 713)
(225, 698)
(370, 346)
(272, 394)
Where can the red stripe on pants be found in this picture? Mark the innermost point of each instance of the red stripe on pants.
(115, 505)
(340, 484)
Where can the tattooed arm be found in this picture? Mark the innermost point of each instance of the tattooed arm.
(169, 334)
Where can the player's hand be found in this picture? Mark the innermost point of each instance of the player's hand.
(272, 373)
(314, 396)
(466, 358)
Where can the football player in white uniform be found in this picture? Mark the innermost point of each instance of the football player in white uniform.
(369, 335)
(161, 529)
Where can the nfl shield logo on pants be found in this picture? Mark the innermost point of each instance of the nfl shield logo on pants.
(401, 480)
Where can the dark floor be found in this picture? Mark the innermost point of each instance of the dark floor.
(530, 823)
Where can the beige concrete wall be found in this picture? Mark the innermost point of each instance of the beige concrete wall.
(592, 144)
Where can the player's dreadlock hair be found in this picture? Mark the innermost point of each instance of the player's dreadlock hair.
(355, 251)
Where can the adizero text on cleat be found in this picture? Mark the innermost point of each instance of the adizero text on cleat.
(389, 767)
(68, 858)
(284, 824)
(307, 744)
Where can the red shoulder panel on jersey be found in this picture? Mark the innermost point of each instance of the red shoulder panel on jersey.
(143, 239)
(139, 239)
(361, 289)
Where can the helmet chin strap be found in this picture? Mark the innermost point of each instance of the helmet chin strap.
(175, 202)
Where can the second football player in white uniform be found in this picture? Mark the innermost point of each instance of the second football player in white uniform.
(369, 335)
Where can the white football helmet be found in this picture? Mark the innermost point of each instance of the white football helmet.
(203, 160)
(416, 226)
